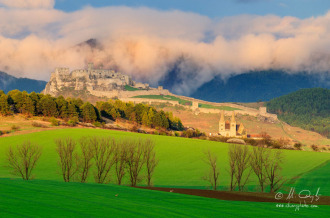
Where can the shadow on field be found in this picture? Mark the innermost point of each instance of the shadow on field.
(243, 196)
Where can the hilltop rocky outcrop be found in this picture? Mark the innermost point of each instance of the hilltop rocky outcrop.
(97, 82)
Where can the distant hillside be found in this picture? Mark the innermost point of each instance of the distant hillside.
(257, 86)
(306, 108)
(8, 82)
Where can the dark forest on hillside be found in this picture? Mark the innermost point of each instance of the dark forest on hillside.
(306, 108)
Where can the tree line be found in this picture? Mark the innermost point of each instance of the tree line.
(243, 161)
(111, 158)
(75, 110)
(306, 108)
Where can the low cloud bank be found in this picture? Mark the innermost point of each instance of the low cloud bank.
(146, 43)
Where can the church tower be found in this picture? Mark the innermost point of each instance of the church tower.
(233, 125)
(222, 123)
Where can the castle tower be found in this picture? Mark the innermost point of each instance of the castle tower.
(233, 125)
(222, 123)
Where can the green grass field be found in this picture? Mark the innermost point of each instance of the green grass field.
(317, 178)
(180, 165)
(226, 108)
(40, 198)
(180, 159)
(165, 97)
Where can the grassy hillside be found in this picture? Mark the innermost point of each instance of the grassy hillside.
(317, 178)
(38, 198)
(226, 108)
(130, 88)
(180, 159)
(164, 97)
(306, 108)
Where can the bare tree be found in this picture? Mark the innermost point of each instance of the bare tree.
(24, 159)
(135, 160)
(273, 169)
(103, 149)
(232, 167)
(120, 157)
(214, 172)
(151, 161)
(258, 161)
(239, 158)
(242, 165)
(85, 159)
(68, 158)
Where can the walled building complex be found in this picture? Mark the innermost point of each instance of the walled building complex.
(231, 128)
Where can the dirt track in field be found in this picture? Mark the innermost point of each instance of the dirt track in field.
(241, 196)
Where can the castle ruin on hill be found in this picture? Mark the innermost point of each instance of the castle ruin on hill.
(97, 82)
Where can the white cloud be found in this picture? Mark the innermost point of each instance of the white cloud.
(28, 3)
(145, 43)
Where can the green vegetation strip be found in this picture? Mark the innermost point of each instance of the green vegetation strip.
(180, 159)
(58, 199)
(130, 88)
(165, 97)
(226, 108)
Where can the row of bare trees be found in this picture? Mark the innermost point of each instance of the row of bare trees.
(108, 155)
(122, 157)
(243, 161)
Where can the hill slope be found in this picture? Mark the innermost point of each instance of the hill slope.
(8, 82)
(306, 108)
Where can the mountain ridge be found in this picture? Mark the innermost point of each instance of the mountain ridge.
(258, 86)
(8, 82)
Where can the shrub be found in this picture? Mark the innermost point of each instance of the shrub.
(177, 134)
(214, 138)
(219, 138)
(134, 128)
(252, 142)
(15, 127)
(277, 145)
(73, 121)
(36, 124)
(54, 121)
(97, 124)
(156, 133)
(203, 137)
(297, 145)
(190, 133)
(315, 148)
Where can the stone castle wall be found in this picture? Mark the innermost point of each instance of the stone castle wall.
(128, 94)
(148, 101)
